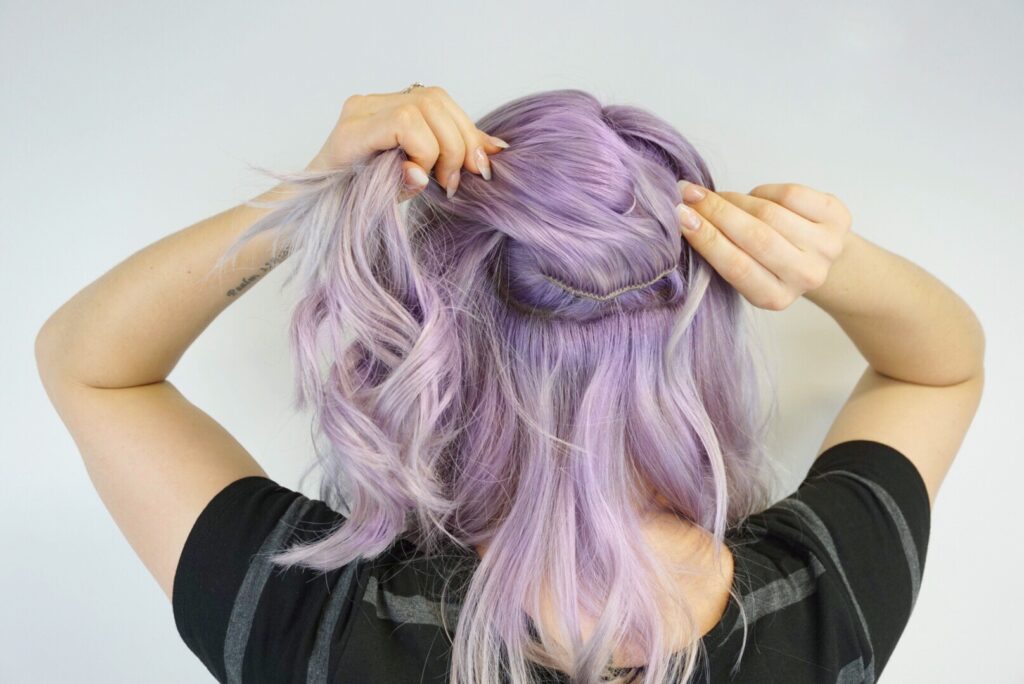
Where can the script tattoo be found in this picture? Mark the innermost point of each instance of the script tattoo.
(263, 270)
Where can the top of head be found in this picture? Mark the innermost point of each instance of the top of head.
(580, 207)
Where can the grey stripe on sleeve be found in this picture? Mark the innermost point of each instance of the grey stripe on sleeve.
(778, 594)
(248, 597)
(316, 672)
(404, 609)
(852, 673)
(818, 527)
(906, 538)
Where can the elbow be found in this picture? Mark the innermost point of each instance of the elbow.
(971, 346)
(47, 355)
(42, 353)
(979, 346)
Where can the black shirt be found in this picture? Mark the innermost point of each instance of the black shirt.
(828, 577)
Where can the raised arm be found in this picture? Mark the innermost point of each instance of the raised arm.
(925, 350)
(155, 459)
(924, 345)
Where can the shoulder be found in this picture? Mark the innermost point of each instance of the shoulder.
(860, 522)
(228, 594)
(380, 619)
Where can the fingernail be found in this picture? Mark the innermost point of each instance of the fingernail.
(688, 217)
(453, 183)
(691, 192)
(497, 141)
(417, 178)
(483, 163)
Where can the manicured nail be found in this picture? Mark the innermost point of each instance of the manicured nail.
(497, 141)
(688, 217)
(483, 163)
(453, 183)
(417, 178)
(691, 191)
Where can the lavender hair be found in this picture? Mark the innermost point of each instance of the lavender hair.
(526, 365)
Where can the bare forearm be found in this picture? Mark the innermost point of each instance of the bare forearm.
(132, 325)
(906, 322)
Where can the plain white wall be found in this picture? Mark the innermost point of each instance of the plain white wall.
(124, 121)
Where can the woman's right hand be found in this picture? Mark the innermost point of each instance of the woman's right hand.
(773, 245)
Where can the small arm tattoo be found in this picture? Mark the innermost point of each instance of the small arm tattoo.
(266, 268)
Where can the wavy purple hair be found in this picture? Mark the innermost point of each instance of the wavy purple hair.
(527, 365)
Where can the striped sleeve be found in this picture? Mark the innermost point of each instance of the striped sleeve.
(243, 617)
(864, 511)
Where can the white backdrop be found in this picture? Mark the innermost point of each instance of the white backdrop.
(121, 122)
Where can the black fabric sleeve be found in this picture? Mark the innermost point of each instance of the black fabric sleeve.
(863, 510)
(244, 618)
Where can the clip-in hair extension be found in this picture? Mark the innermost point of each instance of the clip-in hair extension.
(611, 295)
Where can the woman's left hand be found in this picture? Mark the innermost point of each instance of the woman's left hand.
(434, 131)
(773, 244)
